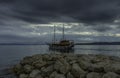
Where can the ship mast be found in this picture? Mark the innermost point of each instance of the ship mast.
(63, 32)
(54, 35)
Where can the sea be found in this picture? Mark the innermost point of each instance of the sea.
(12, 54)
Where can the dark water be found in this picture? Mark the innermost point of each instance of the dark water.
(12, 54)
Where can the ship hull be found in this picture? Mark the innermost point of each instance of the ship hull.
(61, 48)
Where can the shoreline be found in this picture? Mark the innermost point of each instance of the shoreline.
(68, 66)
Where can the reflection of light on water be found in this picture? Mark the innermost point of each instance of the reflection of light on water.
(112, 50)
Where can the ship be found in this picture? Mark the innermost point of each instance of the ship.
(61, 45)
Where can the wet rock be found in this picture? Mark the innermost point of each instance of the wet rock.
(77, 71)
(112, 67)
(34, 73)
(28, 68)
(38, 76)
(84, 64)
(47, 57)
(47, 70)
(68, 66)
(18, 69)
(94, 75)
(53, 74)
(62, 66)
(69, 75)
(38, 64)
(23, 76)
(96, 68)
(37, 57)
(27, 60)
(111, 75)
(57, 65)
(56, 75)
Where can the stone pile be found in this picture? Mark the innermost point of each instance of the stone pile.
(68, 66)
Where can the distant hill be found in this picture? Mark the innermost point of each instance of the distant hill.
(99, 43)
(21, 44)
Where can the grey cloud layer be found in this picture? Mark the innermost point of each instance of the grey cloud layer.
(53, 10)
(17, 15)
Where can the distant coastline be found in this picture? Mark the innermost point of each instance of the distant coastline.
(99, 43)
(19, 44)
(85, 43)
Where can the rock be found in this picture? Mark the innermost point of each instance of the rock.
(38, 64)
(38, 76)
(34, 73)
(23, 76)
(57, 65)
(77, 71)
(65, 67)
(50, 62)
(68, 66)
(59, 76)
(111, 75)
(96, 68)
(47, 70)
(72, 62)
(113, 58)
(56, 75)
(94, 75)
(37, 57)
(18, 69)
(62, 66)
(92, 67)
(28, 68)
(27, 60)
(53, 74)
(84, 64)
(86, 58)
(113, 67)
(99, 58)
(47, 57)
(69, 75)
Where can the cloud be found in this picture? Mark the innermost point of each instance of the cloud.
(37, 11)
(17, 17)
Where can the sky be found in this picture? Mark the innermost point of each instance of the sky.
(32, 21)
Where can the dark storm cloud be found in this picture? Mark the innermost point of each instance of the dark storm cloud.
(36, 11)
(16, 16)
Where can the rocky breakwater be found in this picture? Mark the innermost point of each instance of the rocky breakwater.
(68, 66)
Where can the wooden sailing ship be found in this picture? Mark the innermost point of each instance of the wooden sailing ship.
(64, 44)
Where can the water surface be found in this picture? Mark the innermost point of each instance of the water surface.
(12, 54)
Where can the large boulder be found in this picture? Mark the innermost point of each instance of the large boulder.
(111, 75)
(34, 73)
(69, 75)
(56, 75)
(18, 69)
(96, 68)
(39, 64)
(94, 75)
(23, 76)
(77, 71)
(62, 66)
(27, 60)
(28, 68)
(46, 71)
(92, 66)
(84, 64)
(113, 67)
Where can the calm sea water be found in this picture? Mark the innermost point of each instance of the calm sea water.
(12, 54)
